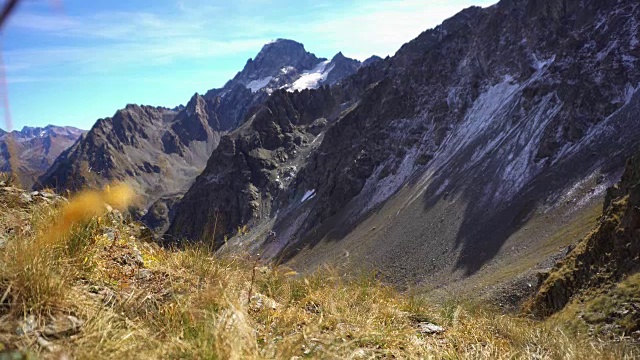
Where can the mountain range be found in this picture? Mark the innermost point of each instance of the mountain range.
(475, 155)
(464, 155)
(28, 153)
(160, 151)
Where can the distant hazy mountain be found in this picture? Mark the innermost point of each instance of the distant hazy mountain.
(35, 149)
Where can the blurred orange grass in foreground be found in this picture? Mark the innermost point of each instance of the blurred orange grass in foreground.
(85, 205)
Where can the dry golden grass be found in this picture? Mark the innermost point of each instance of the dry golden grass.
(39, 262)
(192, 304)
(8, 178)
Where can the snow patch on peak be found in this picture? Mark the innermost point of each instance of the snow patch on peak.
(310, 194)
(256, 85)
(311, 79)
(540, 64)
(287, 69)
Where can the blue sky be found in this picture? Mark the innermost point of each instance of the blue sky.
(70, 62)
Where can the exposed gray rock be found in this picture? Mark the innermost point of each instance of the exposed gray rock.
(429, 328)
(341, 68)
(27, 326)
(137, 255)
(160, 214)
(372, 60)
(259, 302)
(144, 274)
(110, 233)
(26, 198)
(47, 345)
(62, 327)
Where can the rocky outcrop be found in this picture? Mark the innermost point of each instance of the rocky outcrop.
(252, 166)
(605, 257)
(372, 60)
(160, 214)
(33, 149)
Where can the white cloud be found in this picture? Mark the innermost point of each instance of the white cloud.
(195, 29)
(381, 28)
(107, 25)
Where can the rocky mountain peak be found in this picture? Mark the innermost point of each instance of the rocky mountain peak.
(30, 131)
(196, 102)
(338, 57)
(34, 149)
(372, 60)
(341, 67)
(287, 51)
(276, 56)
(38, 131)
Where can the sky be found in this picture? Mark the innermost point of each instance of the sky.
(71, 62)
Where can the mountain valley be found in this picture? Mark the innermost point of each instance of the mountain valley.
(436, 159)
(480, 183)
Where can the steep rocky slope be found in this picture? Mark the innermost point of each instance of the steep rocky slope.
(160, 151)
(607, 256)
(448, 149)
(156, 150)
(33, 150)
(248, 171)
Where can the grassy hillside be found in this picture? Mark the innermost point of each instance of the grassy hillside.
(78, 280)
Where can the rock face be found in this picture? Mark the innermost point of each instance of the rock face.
(154, 149)
(605, 257)
(285, 64)
(341, 68)
(372, 60)
(160, 151)
(448, 147)
(252, 166)
(34, 150)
